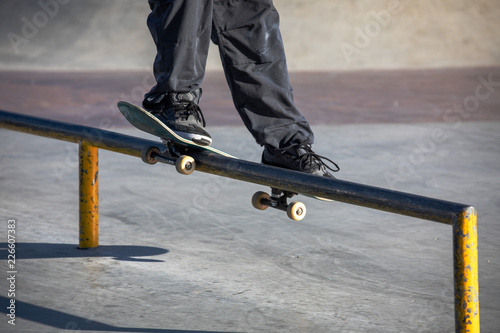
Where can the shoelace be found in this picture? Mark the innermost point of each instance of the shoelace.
(307, 160)
(185, 109)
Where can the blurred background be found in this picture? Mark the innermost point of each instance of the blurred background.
(319, 35)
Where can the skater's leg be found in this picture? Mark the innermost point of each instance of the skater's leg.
(252, 53)
(181, 30)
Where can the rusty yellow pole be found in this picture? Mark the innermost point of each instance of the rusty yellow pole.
(89, 196)
(466, 272)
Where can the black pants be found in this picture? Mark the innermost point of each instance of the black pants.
(250, 45)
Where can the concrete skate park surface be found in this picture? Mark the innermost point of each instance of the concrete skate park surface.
(189, 253)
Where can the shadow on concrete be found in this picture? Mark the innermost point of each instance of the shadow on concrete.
(66, 321)
(52, 250)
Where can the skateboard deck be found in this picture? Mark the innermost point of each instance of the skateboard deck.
(147, 122)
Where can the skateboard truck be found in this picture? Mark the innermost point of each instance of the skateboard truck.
(279, 200)
(184, 164)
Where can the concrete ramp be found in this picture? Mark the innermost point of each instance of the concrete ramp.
(93, 34)
(319, 35)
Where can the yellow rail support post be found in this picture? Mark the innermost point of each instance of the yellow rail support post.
(466, 272)
(89, 196)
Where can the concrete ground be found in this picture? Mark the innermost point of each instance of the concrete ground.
(190, 254)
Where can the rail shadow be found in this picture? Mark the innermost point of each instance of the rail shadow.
(55, 250)
(65, 321)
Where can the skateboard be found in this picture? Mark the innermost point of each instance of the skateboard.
(177, 150)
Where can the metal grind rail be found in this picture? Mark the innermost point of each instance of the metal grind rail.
(462, 218)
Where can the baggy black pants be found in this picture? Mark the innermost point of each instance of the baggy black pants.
(250, 45)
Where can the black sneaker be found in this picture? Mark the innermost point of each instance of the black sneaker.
(300, 158)
(181, 113)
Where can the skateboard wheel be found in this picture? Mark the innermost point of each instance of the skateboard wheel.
(257, 200)
(296, 211)
(148, 153)
(185, 165)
